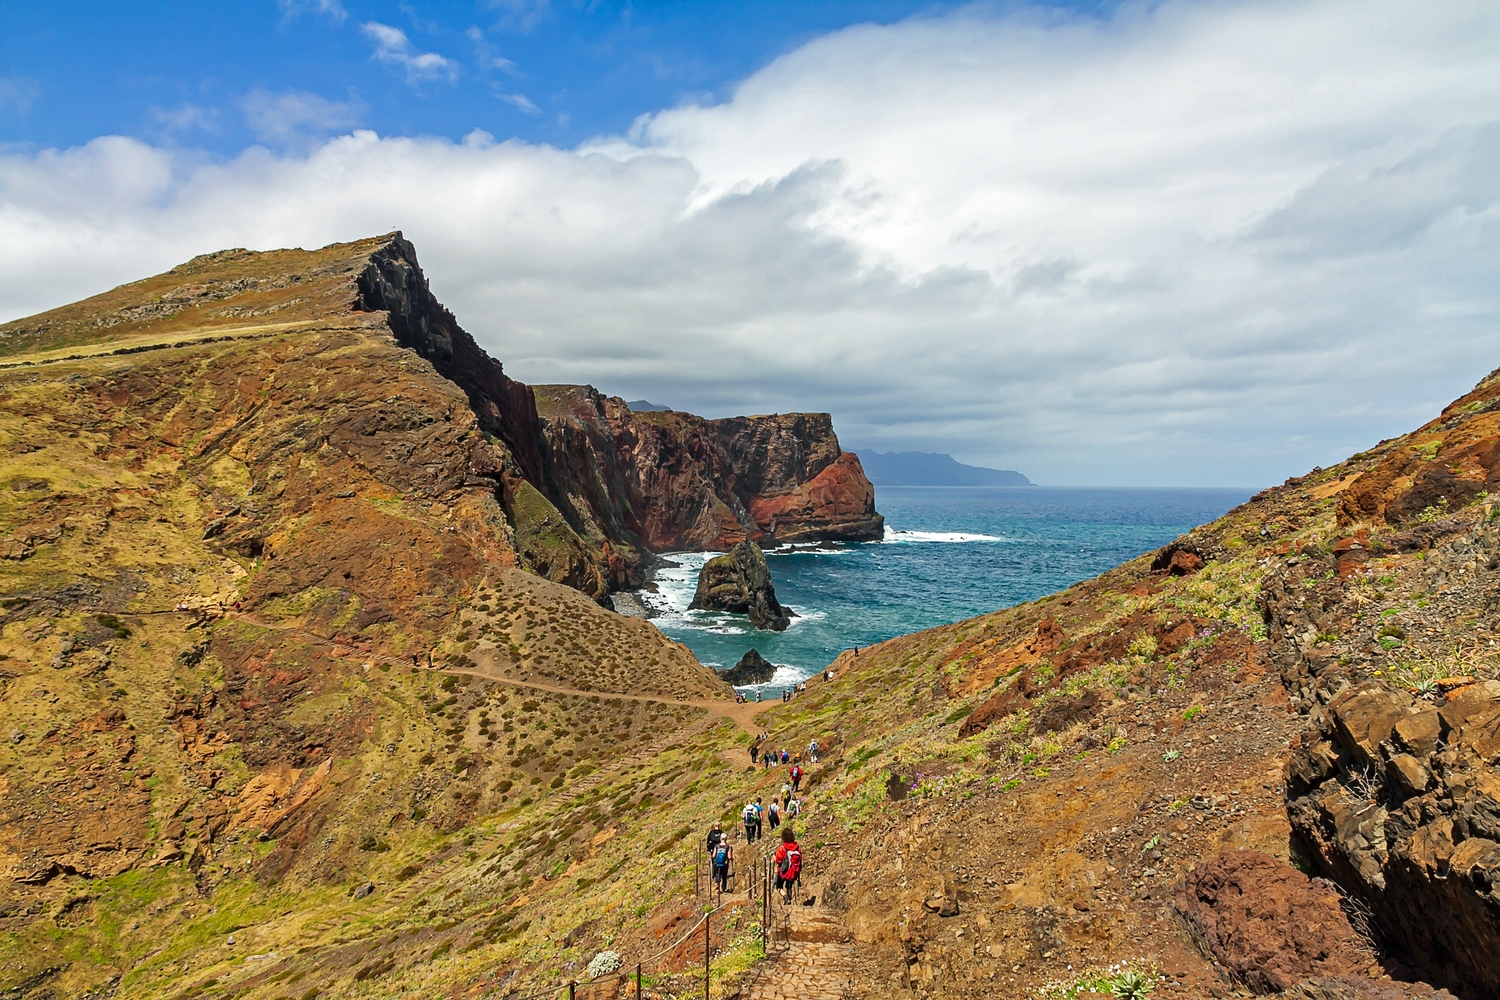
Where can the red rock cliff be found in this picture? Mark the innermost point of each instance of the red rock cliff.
(592, 487)
(669, 481)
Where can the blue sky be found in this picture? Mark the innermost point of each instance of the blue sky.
(1177, 242)
(555, 72)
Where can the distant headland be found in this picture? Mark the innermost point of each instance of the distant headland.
(924, 468)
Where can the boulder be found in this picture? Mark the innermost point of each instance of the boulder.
(1268, 925)
(752, 669)
(740, 582)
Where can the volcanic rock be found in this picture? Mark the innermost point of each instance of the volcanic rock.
(1267, 924)
(1409, 823)
(740, 582)
(752, 669)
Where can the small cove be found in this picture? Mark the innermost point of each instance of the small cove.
(949, 553)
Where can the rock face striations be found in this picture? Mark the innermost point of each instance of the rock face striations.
(740, 582)
(665, 480)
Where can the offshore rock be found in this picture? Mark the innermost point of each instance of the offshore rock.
(740, 582)
(1398, 800)
(752, 669)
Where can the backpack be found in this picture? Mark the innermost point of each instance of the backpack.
(751, 813)
(791, 864)
(797, 773)
(721, 856)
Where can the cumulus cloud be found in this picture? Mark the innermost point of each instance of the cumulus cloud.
(394, 48)
(291, 116)
(1195, 243)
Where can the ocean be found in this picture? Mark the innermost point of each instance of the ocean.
(949, 553)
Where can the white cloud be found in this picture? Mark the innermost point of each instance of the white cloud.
(17, 94)
(332, 9)
(290, 116)
(394, 48)
(521, 103)
(186, 118)
(1198, 243)
(520, 15)
(487, 56)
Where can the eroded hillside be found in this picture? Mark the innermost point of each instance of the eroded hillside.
(288, 610)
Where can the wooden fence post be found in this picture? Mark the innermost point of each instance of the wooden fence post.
(638, 981)
(707, 919)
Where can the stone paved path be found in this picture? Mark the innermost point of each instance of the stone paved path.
(815, 963)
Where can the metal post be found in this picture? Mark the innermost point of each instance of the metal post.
(638, 981)
(707, 919)
(572, 988)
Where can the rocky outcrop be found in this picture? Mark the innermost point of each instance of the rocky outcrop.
(670, 481)
(1268, 925)
(752, 669)
(593, 488)
(739, 582)
(1397, 798)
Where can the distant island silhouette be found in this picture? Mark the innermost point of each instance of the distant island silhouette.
(925, 468)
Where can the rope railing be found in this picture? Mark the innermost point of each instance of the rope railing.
(572, 988)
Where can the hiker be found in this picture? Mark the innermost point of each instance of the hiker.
(773, 815)
(753, 753)
(812, 751)
(786, 795)
(767, 760)
(793, 809)
(714, 836)
(721, 856)
(757, 696)
(788, 862)
(785, 757)
(752, 822)
(796, 777)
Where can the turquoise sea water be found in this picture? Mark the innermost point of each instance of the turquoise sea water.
(949, 554)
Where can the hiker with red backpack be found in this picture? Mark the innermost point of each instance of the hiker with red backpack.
(788, 862)
(796, 776)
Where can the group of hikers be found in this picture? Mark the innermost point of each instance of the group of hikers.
(769, 757)
(787, 860)
(740, 698)
(761, 817)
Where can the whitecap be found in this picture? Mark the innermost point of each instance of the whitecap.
(894, 535)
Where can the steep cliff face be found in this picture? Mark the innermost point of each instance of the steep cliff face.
(671, 481)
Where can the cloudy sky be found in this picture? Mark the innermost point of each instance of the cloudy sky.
(1176, 243)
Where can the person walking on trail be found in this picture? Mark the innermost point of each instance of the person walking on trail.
(768, 759)
(722, 856)
(786, 796)
(754, 753)
(788, 862)
(752, 822)
(793, 809)
(785, 757)
(714, 836)
(812, 751)
(773, 814)
(796, 777)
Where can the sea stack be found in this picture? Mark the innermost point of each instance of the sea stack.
(752, 669)
(739, 582)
